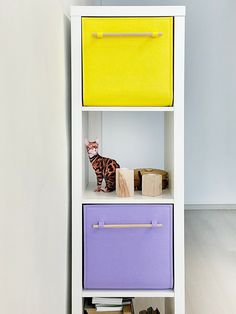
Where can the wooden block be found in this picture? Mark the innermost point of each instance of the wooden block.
(124, 182)
(151, 184)
(140, 171)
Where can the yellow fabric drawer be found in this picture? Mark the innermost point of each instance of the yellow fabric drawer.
(127, 61)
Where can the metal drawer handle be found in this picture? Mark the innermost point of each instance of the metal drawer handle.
(121, 226)
(145, 34)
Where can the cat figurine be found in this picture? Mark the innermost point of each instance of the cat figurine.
(105, 168)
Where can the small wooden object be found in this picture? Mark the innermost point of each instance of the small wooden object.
(138, 177)
(151, 184)
(124, 182)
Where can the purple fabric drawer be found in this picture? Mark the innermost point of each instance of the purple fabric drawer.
(128, 258)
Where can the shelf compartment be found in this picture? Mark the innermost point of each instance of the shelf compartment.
(135, 140)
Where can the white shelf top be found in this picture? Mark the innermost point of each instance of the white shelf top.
(91, 197)
(129, 293)
(128, 11)
(162, 109)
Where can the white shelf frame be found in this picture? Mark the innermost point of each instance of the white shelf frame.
(78, 11)
(129, 293)
(89, 197)
(175, 300)
(128, 109)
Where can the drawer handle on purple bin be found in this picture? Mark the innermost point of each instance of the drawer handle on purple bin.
(121, 226)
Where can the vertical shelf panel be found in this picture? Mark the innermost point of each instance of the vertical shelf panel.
(77, 153)
(179, 165)
(169, 148)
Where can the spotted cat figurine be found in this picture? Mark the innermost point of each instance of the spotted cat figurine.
(105, 168)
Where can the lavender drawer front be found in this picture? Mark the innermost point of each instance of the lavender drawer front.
(129, 258)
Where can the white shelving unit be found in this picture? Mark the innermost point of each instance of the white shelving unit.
(167, 123)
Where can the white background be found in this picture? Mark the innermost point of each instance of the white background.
(34, 102)
(134, 139)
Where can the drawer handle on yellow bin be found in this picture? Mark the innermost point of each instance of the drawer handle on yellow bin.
(121, 226)
(145, 34)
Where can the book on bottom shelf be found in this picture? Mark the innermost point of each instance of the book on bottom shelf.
(111, 301)
(108, 305)
(114, 309)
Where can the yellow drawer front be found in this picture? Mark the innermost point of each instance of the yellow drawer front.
(127, 61)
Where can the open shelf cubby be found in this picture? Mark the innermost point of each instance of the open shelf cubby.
(135, 140)
(140, 303)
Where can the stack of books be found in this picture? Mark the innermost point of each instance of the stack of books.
(108, 305)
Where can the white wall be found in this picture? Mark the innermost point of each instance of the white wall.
(134, 139)
(34, 202)
(210, 127)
